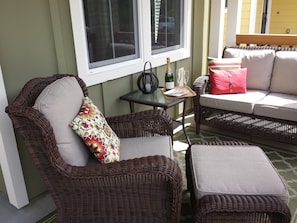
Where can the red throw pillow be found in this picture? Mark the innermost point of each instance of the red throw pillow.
(228, 81)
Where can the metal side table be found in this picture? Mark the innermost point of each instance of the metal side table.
(158, 100)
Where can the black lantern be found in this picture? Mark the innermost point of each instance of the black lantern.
(147, 82)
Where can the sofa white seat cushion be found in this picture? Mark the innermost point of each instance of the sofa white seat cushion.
(238, 170)
(233, 102)
(284, 75)
(278, 105)
(258, 76)
(146, 146)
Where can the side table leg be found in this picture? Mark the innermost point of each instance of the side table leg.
(131, 106)
(183, 124)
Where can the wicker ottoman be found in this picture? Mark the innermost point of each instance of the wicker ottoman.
(235, 183)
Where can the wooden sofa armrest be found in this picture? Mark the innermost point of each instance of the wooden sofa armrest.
(144, 123)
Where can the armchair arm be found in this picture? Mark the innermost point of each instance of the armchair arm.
(157, 165)
(200, 85)
(144, 123)
(130, 188)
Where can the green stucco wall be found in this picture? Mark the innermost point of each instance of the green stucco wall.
(36, 40)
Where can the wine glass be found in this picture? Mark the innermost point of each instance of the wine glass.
(178, 77)
(186, 77)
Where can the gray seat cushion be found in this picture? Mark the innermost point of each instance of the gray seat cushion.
(146, 146)
(137, 147)
(240, 170)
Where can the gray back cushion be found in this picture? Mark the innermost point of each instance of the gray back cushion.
(284, 76)
(259, 64)
(60, 102)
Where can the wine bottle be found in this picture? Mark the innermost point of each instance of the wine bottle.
(169, 80)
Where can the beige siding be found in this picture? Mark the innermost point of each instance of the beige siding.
(283, 17)
(245, 16)
(259, 16)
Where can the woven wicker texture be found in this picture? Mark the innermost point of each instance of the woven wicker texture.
(235, 208)
(146, 189)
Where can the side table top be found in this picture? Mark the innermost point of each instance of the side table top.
(157, 99)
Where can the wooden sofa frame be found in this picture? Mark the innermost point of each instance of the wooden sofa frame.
(249, 124)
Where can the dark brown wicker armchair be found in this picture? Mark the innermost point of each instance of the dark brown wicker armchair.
(146, 189)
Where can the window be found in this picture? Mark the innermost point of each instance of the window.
(113, 38)
(165, 25)
(111, 31)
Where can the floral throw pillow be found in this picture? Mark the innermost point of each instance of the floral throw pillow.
(91, 125)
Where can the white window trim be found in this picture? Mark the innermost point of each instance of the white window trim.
(102, 74)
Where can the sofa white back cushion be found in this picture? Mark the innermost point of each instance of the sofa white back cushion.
(259, 64)
(60, 102)
(284, 75)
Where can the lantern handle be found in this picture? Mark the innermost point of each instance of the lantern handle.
(145, 66)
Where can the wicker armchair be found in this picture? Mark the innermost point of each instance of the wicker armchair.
(146, 189)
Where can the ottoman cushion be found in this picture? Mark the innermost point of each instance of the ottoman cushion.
(238, 170)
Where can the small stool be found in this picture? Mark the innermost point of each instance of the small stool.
(235, 183)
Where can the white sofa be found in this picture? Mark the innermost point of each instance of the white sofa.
(269, 107)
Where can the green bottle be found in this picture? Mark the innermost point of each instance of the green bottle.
(169, 80)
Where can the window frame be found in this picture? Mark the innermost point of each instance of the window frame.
(93, 76)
